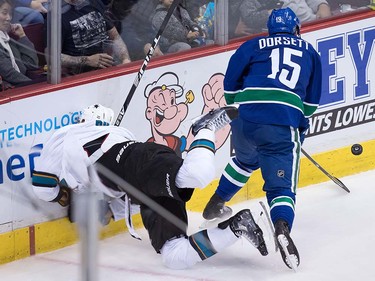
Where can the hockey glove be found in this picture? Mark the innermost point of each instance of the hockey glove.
(64, 196)
(303, 127)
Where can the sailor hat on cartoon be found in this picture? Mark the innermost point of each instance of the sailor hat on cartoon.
(168, 80)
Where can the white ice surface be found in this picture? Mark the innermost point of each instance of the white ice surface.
(333, 230)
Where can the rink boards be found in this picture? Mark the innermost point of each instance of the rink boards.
(346, 116)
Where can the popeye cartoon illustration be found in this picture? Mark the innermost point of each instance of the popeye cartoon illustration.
(165, 113)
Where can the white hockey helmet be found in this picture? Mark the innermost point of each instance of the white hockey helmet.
(103, 116)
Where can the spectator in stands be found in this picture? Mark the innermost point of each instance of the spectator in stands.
(29, 11)
(102, 5)
(203, 13)
(194, 7)
(250, 16)
(132, 20)
(86, 35)
(336, 5)
(17, 53)
(181, 32)
(308, 10)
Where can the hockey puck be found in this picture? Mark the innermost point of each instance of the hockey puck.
(357, 149)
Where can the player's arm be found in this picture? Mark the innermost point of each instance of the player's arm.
(237, 67)
(49, 188)
(60, 168)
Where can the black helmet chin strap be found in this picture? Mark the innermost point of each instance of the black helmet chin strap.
(297, 32)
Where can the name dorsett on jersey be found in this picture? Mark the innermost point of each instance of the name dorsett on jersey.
(282, 41)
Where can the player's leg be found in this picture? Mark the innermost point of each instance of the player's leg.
(279, 153)
(159, 228)
(235, 175)
(198, 168)
(183, 253)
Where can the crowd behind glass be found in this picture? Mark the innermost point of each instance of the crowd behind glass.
(97, 34)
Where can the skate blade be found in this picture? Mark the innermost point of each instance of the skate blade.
(291, 260)
(214, 222)
(195, 119)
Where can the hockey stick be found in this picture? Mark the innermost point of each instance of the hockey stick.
(145, 62)
(334, 179)
(270, 224)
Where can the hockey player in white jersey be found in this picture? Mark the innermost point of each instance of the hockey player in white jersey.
(153, 169)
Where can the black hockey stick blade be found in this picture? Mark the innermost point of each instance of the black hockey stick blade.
(334, 179)
(145, 62)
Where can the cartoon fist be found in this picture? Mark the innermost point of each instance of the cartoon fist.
(213, 93)
(213, 97)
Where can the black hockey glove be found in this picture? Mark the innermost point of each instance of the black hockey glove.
(303, 127)
(64, 196)
(271, 4)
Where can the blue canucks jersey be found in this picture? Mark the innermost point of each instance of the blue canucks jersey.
(275, 79)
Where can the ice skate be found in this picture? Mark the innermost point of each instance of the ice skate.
(216, 209)
(215, 212)
(215, 119)
(243, 225)
(288, 250)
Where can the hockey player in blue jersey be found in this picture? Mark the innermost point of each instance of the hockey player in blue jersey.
(276, 80)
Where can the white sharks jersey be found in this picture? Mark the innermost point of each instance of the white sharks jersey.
(69, 152)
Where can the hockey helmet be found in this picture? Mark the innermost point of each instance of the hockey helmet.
(283, 21)
(103, 116)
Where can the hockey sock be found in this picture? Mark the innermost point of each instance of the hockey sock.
(205, 139)
(233, 179)
(198, 168)
(202, 244)
(221, 238)
(282, 207)
(208, 242)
